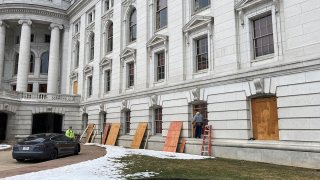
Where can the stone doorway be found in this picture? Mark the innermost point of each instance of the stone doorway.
(3, 126)
(47, 123)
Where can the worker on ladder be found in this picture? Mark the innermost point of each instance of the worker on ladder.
(197, 120)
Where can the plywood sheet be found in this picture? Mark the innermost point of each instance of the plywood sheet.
(113, 134)
(105, 132)
(141, 129)
(90, 129)
(173, 135)
(265, 118)
(183, 143)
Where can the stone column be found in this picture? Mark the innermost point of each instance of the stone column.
(2, 47)
(54, 54)
(24, 55)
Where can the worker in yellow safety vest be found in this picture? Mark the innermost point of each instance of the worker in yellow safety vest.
(70, 133)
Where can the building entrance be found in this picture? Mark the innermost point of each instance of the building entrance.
(47, 123)
(3, 125)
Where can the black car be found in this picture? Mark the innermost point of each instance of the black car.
(44, 146)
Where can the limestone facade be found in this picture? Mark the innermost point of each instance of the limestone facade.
(217, 55)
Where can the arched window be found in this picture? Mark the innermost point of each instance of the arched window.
(91, 43)
(76, 60)
(133, 25)
(16, 63)
(161, 14)
(110, 38)
(44, 63)
(31, 66)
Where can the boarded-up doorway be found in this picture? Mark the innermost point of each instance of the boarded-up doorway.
(75, 87)
(265, 118)
(3, 125)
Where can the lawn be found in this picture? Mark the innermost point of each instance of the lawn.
(217, 168)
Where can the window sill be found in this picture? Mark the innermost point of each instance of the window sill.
(203, 71)
(200, 10)
(159, 81)
(264, 57)
(108, 53)
(162, 28)
(131, 42)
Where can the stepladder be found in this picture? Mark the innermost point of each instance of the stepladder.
(206, 141)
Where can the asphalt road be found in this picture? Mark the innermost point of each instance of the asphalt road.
(10, 167)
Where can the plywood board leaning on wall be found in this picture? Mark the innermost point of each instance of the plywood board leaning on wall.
(141, 129)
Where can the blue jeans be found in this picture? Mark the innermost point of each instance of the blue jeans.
(198, 130)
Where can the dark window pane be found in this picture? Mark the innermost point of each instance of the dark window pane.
(158, 120)
(263, 36)
(110, 38)
(31, 66)
(133, 25)
(44, 63)
(199, 4)
(127, 117)
(202, 54)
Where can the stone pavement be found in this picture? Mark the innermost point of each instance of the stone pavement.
(10, 167)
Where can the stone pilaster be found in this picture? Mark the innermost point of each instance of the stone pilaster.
(53, 72)
(24, 55)
(3, 27)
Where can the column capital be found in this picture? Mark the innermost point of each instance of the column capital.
(25, 21)
(2, 23)
(55, 25)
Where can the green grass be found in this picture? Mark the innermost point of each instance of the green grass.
(217, 168)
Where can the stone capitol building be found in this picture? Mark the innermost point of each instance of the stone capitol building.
(250, 67)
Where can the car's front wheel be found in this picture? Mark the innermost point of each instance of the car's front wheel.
(54, 154)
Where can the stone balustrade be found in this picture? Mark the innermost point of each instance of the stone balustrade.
(39, 97)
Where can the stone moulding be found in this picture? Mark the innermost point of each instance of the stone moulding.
(5, 9)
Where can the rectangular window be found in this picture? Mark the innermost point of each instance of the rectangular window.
(89, 86)
(161, 16)
(130, 74)
(158, 120)
(30, 87)
(263, 36)
(200, 4)
(202, 54)
(127, 116)
(42, 88)
(32, 38)
(106, 5)
(92, 47)
(18, 40)
(161, 66)
(90, 17)
(14, 87)
(107, 80)
(47, 38)
(76, 28)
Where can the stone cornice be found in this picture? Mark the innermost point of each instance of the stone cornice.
(32, 9)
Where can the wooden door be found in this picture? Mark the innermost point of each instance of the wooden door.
(265, 118)
(75, 87)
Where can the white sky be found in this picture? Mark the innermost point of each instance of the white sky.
(106, 167)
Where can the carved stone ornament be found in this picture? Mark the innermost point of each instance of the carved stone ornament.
(154, 100)
(101, 107)
(6, 106)
(156, 40)
(88, 69)
(84, 110)
(259, 85)
(196, 22)
(124, 104)
(74, 75)
(245, 4)
(128, 53)
(106, 62)
(196, 94)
